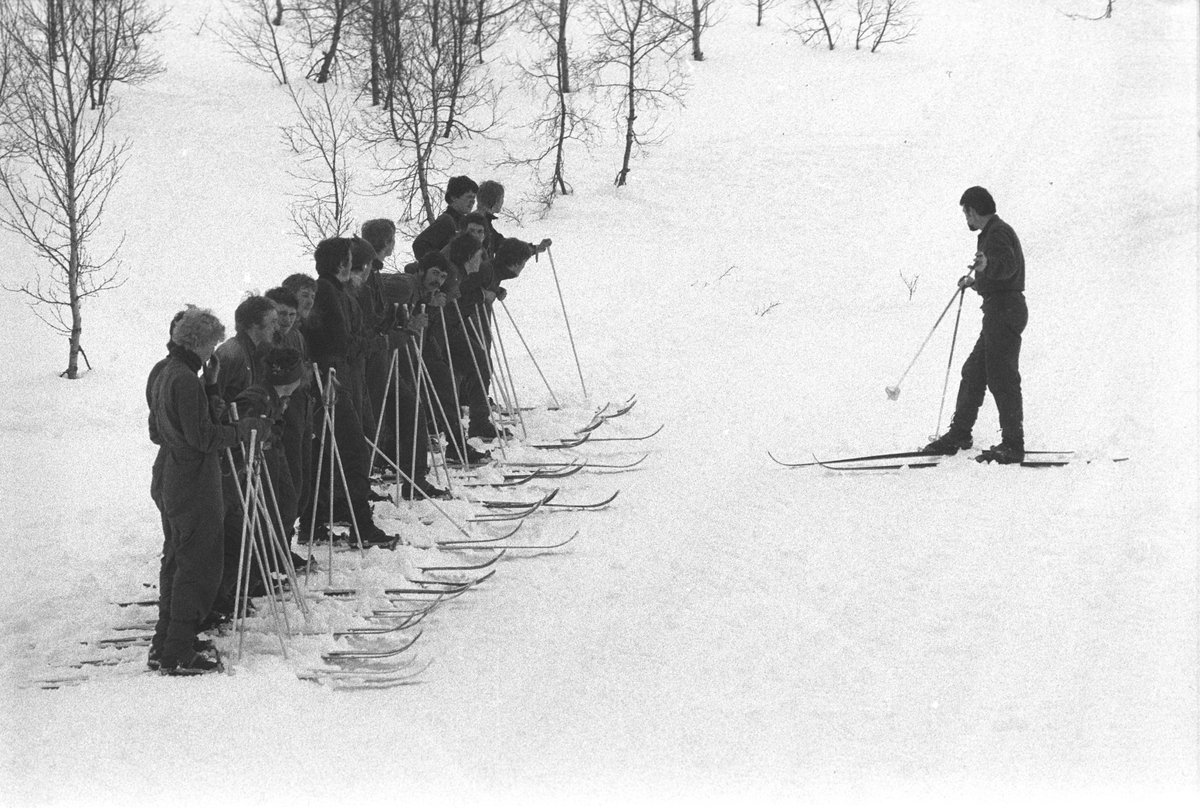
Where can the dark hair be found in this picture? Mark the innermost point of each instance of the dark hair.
(512, 252)
(378, 232)
(490, 192)
(435, 259)
(362, 254)
(250, 312)
(474, 217)
(282, 296)
(457, 186)
(330, 254)
(175, 320)
(979, 200)
(298, 283)
(462, 247)
(283, 365)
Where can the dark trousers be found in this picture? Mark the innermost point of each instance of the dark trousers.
(190, 573)
(297, 447)
(355, 456)
(447, 418)
(994, 365)
(413, 418)
(474, 374)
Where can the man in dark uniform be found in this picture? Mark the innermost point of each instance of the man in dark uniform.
(460, 199)
(999, 269)
(186, 486)
(332, 343)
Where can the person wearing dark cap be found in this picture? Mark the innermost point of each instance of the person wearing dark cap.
(329, 335)
(460, 199)
(186, 487)
(993, 364)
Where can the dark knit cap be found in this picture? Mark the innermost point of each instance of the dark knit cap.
(284, 366)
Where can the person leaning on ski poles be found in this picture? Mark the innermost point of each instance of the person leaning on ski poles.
(999, 270)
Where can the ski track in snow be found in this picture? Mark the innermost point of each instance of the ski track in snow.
(727, 629)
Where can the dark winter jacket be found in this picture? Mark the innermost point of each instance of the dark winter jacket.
(438, 234)
(328, 326)
(491, 242)
(241, 366)
(1005, 270)
(190, 441)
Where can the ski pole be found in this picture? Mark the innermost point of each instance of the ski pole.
(521, 337)
(893, 392)
(566, 320)
(949, 362)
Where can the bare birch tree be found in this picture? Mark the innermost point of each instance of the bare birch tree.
(251, 33)
(818, 21)
(882, 22)
(117, 51)
(561, 120)
(323, 138)
(430, 98)
(760, 8)
(693, 15)
(57, 163)
(636, 62)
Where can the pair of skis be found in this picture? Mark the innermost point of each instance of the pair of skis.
(894, 461)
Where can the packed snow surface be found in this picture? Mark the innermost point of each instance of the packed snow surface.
(727, 630)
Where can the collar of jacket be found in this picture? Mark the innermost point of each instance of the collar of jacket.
(186, 356)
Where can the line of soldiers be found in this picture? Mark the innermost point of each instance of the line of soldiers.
(397, 356)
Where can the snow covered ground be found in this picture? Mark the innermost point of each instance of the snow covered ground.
(728, 630)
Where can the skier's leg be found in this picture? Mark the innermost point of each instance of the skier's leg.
(971, 390)
(1003, 334)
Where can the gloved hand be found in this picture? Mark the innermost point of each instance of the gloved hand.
(247, 425)
(965, 281)
(542, 245)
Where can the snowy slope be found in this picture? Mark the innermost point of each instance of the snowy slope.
(728, 629)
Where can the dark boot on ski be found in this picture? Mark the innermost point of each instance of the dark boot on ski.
(423, 490)
(1005, 454)
(474, 457)
(374, 536)
(949, 444)
(195, 665)
(200, 646)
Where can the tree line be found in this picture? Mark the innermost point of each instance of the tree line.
(409, 82)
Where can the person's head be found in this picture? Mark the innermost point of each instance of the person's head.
(511, 254)
(362, 261)
(978, 206)
(171, 328)
(199, 331)
(463, 247)
(381, 235)
(285, 370)
(332, 258)
(286, 306)
(474, 223)
(490, 197)
(256, 318)
(460, 193)
(305, 289)
(434, 268)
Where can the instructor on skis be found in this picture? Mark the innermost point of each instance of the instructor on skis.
(999, 270)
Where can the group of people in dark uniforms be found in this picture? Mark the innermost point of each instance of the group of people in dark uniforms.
(410, 349)
(350, 354)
